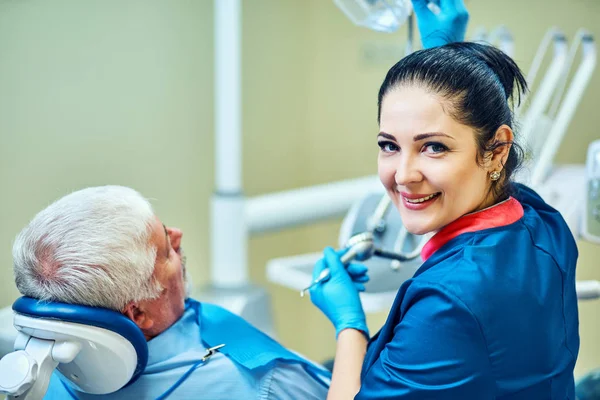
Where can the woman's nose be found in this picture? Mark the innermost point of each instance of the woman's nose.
(407, 172)
(175, 235)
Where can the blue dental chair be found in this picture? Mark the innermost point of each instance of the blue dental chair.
(96, 350)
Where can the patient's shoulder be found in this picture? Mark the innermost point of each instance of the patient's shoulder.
(219, 378)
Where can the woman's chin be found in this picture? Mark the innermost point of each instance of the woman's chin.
(417, 229)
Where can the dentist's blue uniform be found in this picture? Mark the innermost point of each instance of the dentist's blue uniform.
(491, 314)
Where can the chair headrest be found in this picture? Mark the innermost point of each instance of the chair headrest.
(91, 316)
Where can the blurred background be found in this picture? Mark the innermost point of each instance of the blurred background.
(103, 92)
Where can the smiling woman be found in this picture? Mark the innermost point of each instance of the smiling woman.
(492, 311)
(446, 127)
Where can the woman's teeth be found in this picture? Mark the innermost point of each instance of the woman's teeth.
(422, 199)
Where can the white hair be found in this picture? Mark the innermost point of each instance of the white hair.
(91, 247)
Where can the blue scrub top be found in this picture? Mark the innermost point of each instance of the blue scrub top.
(492, 312)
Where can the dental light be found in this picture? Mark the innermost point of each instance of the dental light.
(379, 15)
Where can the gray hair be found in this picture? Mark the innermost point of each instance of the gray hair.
(91, 247)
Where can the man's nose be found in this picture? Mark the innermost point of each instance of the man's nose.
(175, 235)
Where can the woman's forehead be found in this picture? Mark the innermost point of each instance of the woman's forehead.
(412, 106)
(408, 111)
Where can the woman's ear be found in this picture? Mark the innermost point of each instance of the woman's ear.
(136, 313)
(496, 159)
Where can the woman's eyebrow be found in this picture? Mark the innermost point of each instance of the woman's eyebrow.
(418, 137)
(387, 136)
(423, 136)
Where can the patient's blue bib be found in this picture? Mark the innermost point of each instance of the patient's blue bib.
(250, 365)
(245, 344)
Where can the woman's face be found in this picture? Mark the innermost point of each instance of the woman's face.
(428, 161)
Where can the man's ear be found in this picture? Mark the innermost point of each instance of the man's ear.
(495, 160)
(136, 313)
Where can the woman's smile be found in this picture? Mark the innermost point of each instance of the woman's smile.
(418, 202)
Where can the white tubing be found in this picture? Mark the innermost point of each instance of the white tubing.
(587, 290)
(229, 268)
(228, 113)
(302, 206)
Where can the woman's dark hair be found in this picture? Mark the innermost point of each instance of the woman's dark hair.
(478, 82)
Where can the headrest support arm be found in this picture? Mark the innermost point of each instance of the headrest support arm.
(26, 373)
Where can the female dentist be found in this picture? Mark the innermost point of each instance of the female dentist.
(492, 311)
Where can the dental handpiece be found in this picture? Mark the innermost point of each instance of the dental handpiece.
(361, 247)
(361, 250)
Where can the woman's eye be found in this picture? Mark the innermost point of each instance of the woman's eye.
(387, 147)
(435, 148)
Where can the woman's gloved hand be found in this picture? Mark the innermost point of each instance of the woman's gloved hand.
(338, 297)
(446, 26)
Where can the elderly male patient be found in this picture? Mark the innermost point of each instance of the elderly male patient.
(104, 247)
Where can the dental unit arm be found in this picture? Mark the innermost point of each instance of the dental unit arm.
(591, 216)
(561, 116)
(590, 224)
(531, 126)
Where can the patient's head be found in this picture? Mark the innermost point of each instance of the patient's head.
(104, 247)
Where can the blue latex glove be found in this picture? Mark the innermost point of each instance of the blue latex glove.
(338, 297)
(449, 25)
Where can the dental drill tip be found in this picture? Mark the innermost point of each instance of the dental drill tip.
(323, 276)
